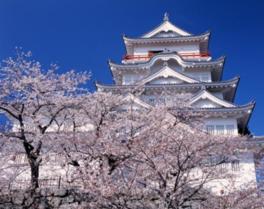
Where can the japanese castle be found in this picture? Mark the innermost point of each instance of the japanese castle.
(169, 62)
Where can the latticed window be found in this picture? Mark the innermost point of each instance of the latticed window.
(223, 167)
(210, 129)
(220, 129)
(234, 163)
(49, 182)
(19, 158)
(230, 129)
(152, 100)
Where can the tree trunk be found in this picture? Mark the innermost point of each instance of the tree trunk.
(34, 162)
(34, 167)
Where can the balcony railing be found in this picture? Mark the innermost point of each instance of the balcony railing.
(150, 55)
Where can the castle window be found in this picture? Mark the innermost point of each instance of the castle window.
(19, 158)
(154, 52)
(234, 163)
(223, 167)
(230, 129)
(152, 100)
(210, 129)
(220, 129)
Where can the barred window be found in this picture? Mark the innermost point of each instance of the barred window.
(210, 129)
(235, 164)
(152, 100)
(20, 158)
(220, 129)
(230, 129)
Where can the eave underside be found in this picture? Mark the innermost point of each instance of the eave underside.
(228, 88)
(117, 75)
(203, 41)
(216, 66)
(241, 113)
(166, 56)
(203, 37)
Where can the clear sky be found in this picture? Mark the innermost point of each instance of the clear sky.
(84, 34)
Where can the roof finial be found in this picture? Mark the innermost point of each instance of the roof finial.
(166, 16)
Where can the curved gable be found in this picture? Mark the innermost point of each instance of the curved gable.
(166, 27)
(130, 99)
(165, 73)
(206, 99)
(167, 80)
(205, 103)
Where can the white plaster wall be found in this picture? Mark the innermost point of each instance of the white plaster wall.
(218, 94)
(130, 78)
(203, 76)
(243, 177)
(54, 167)
(200, 76)
(159, 65)
(169, 80)
(205, 103)
(54, 127)
(181, 48)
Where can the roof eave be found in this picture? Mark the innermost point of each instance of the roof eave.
(253, 104)
(203, 37)
(222, 84)
(157, 27)
(235, 90)
(218, 62)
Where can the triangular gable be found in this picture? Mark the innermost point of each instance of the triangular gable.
(205, 103)
(166, 72)
(208, 97)
(168, 80)
(131, 98)
(166, 26)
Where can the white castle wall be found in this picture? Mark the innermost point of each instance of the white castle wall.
(132, 78)
(205, 103)
(204, 76)
(242, 175)
(54, 170)
(180, 48)
(168, 80)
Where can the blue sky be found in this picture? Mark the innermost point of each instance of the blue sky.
(84, 34)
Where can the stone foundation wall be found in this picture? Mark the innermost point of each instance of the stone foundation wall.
(46, 199)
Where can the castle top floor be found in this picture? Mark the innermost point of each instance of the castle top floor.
(167, 38)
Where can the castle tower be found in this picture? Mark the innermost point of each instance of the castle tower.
(171, 60)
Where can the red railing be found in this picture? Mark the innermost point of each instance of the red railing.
(146, 57)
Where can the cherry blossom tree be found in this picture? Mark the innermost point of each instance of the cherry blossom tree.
(124, 153)
(34, 99)
(135, 157)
